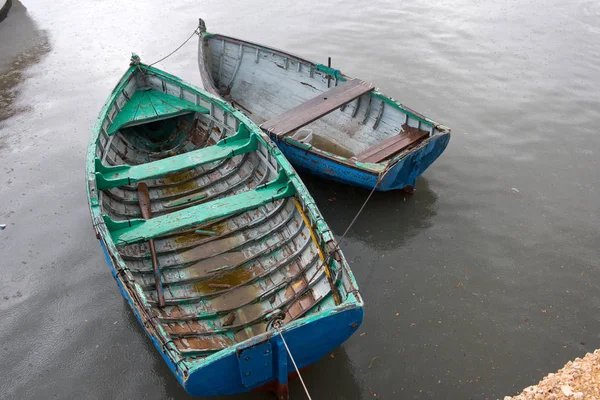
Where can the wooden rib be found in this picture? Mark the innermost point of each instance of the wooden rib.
(166, 209)
(368, 110)
(255, 320)
(336, 295)
(274, 268)
(379, 115)
(266, 293)
(173, 238)
(237, 67)
(144, 200)
(355, 111)
(117, 193)
(275, 229)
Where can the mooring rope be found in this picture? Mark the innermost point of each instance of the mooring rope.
(278, 322)
(196, 31)
(276, 325)
(337, 243)
(381, 175)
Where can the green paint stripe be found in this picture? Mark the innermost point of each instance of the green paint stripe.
(115, 176)
(135, 230)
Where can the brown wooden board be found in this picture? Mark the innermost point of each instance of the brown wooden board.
(316, 107)
(389, 147)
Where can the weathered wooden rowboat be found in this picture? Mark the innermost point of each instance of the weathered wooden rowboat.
(182, 184)
(352, 133)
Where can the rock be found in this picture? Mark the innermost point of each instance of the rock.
(566, 389)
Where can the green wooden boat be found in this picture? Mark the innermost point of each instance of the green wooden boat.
(213, 239)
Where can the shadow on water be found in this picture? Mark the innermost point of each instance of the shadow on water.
(389, 218)
(25, 48)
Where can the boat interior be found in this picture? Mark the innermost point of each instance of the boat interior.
(311, 103)
(234, 241)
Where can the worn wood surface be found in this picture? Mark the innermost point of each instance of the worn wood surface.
(266, 82)
(317, 107)
(145, 208)
(391, 146)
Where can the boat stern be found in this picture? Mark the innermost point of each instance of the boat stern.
(404, 172)
(257, 362)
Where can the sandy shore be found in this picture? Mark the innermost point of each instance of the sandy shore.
(579, 379)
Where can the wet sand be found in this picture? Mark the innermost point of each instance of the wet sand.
(477, 285)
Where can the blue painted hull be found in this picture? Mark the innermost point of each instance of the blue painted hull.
(228, 374)
(402, 174)
(262, 359)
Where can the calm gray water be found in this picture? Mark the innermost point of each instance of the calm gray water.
(479, 284)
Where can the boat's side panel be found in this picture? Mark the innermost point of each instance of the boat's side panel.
(176, 371)
(314, 163)
(258, 364)
(403, 172)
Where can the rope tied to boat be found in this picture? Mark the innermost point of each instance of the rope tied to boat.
(336, 246)
(277, 325)
(196, 31)
(379, 179)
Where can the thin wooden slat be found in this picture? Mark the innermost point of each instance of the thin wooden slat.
(316, 107)
(135, 230)
(390, 146)
(115, 176)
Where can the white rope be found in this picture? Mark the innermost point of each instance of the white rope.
(276, 325)
(379, 179)
(382, 174)
(174, 51)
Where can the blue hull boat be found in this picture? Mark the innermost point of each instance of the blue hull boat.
(212, 238)
(324, 122)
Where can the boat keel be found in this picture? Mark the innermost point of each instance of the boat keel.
(283, 392)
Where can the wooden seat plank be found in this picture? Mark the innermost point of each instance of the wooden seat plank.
(389, 147)
(316, 107)
(114, 176)
(136, 230)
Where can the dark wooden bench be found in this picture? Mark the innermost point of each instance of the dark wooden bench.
(391, 146)
(316, 107)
